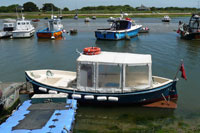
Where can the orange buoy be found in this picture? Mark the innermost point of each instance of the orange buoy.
(92, 51)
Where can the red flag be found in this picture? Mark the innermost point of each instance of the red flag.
(183, 75)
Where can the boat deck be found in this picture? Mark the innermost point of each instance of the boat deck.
(107, 83)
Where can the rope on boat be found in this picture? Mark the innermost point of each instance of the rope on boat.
(165, 99)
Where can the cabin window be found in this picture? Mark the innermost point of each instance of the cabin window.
(109, 76)
(86, 75)
(27, 23)
(10, 25)
(23, 23)
(137, 76)
(5, 25)
(18, 23)
(122, 25)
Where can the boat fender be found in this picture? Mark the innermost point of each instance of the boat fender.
(63, 31)
(52, 92)
(63, 93)
(76, 96)
(114, 99)
(89, 97)
(52, 37)
(102, 98)
(43, 89)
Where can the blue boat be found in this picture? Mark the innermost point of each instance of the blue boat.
(106, 77)
(120, 29)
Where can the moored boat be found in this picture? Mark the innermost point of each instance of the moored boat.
(24, 29)
(35, 20)
(144, 30)
(87, 19)
(54, 29)
(106, 77)
(111, 19)
(192, 30)
(166, 19)
(73, 31)
(94, 17)
(8, 27)
(120, 29)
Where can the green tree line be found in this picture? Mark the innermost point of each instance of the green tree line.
(32, 7)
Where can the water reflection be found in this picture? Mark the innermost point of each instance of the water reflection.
(120, 45)
(46, 40)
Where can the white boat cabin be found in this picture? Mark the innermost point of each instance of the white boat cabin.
(111, 72)
(8, 26)
(24, 24)
(55, 24)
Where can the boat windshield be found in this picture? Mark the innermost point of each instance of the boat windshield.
(121, 25)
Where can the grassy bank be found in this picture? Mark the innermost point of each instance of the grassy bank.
(32, 15)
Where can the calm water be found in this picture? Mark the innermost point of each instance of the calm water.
(165, 46)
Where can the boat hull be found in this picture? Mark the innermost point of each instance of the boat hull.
(165, 20)
(5, 34)
(137, 97)
(23, 34)
(190, 36)
(49, 34)
(116, 35)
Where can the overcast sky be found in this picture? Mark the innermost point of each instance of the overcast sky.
(73, 4)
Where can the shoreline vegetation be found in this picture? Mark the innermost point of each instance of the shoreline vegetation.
(31, 11)
(32, 15)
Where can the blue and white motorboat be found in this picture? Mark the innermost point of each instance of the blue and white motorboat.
(54, 29)
(120, 29)
(106, 77)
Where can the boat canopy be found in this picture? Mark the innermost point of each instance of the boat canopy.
(111, 72)
(117, 58)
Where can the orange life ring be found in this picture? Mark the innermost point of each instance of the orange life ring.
(91, 50)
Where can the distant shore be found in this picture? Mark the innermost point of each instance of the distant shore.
(98, 15)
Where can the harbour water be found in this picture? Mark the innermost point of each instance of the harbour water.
(163, 43)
